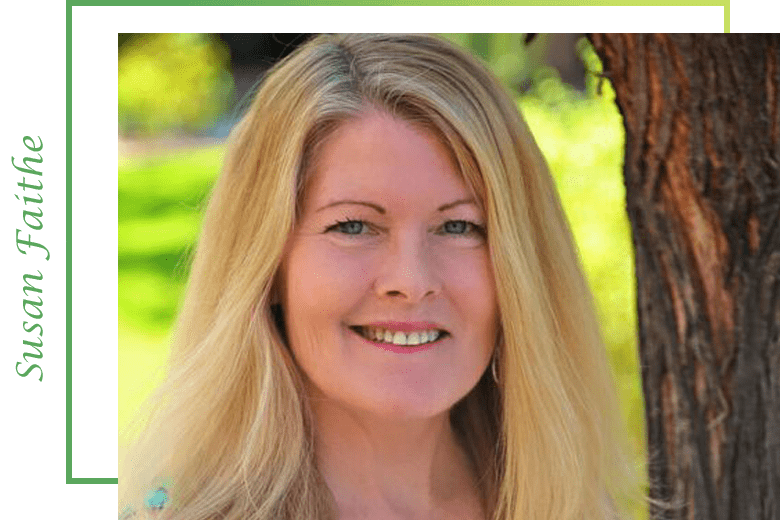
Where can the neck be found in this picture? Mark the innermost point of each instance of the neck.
(391, 467)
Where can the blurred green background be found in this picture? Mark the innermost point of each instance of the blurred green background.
(179, 94)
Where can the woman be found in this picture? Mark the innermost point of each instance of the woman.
(385, 317)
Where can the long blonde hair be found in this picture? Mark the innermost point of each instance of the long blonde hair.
(232, 429)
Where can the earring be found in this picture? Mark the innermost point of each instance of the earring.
(493, 367)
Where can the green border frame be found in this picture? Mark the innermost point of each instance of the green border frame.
(69, 479)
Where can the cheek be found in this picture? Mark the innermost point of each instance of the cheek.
(322, 282)
(470, 278)
(472, 288)
(322, 287)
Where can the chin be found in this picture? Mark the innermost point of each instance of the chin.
(405, 405)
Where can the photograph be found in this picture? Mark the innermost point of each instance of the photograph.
(391, 262)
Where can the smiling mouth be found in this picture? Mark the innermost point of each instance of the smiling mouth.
(380, 335)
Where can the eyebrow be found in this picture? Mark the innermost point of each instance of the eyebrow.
(382, 211)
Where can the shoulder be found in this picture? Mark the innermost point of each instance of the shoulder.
(154, 504)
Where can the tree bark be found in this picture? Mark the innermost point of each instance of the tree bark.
(702, 175)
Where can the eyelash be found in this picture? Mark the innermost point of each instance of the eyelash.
(472, 227)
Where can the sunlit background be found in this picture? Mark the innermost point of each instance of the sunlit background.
(179, 95)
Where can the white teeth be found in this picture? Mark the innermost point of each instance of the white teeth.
(400, 338)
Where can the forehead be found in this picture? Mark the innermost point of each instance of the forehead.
(382, 156)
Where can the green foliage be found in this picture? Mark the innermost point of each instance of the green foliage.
(582, 139)
(161, 199)
(172, 82)
(160, 202)
(513, 62)
(583, 143)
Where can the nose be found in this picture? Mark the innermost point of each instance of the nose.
(409, 270)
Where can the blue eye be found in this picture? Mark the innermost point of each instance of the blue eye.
(348, 227)
(462, 227)
(457, 227)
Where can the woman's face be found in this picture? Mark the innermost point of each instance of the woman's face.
(389, 251)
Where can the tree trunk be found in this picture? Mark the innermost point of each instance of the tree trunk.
(702, 121)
